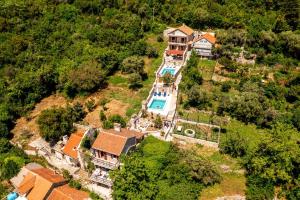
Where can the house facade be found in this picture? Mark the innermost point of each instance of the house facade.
(107, 149)
(180, 39)
(204, 44)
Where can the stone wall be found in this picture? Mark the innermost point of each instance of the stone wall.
(196, 141)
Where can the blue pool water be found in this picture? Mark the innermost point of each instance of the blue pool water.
(157, 104)
(168, 70)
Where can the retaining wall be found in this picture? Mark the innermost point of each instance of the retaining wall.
(196, 141)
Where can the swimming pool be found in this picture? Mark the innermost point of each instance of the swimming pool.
(168, 70)
(157, 104)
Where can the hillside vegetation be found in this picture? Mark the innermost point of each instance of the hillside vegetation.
(77, 47)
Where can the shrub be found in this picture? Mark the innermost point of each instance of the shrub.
(103, 102)
(225, 87)
(4, 131)
(234, 144)
(258, 188)
(152, 52)
(5, 145)
(66, 174)
(135, 81)
(75, 184)
(107, 124)
(102, 116)
(86, 143)
(90, 105)
(160, 38)
(117, 119)
(158, 122)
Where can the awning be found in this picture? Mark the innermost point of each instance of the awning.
(175, 52)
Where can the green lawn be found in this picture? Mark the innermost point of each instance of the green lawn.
(206, 67)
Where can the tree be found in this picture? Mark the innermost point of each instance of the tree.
(9, 169)
(5, 145)
(234, 144)
(276, 158)
(133, 64)
(133, 181)
(86, 142)
(158, 122)
(168, 79)
(201, 169)
(296, 118)
(54, 123)
(4, 132)
(135, 81)
(88, 77)
(75, 112)
(198, 98)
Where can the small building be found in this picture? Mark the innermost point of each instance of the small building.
(180, 39)
(107, 149)
(68, 149)
(204, 44)
(35, 182)
(71, 149)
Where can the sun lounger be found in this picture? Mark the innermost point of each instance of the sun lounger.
(165, 94)
(159, 94)
(155, 93)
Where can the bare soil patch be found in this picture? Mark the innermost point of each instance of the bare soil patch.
(25, 125)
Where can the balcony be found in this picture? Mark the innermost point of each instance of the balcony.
(106, 164)
(177, 42)
(101, 177)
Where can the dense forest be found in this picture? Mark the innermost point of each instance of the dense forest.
(73, 46)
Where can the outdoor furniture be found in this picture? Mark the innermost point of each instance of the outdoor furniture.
(179, 128)
(159, 94)
(165, 94)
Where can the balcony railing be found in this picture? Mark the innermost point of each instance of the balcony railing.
(102, 180)
(106, 164)
(177, 42)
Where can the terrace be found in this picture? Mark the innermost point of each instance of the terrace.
(102, 177)
(106, 164)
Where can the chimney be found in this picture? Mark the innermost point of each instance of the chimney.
(65, 139)
(117, 127)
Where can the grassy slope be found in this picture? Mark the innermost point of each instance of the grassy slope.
(233, 183)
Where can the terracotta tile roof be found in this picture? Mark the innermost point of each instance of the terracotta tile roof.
(175, 52)
(208, 37)
(187, 30)
(48, 175)
(70, 148)
(38, 182)
(110, 143)
(67, 193)
(27, 184)
(126, 133)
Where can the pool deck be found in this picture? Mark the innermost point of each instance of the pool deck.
(172, 91)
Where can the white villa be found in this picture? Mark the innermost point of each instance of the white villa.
(162, 98)
(204, 44)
